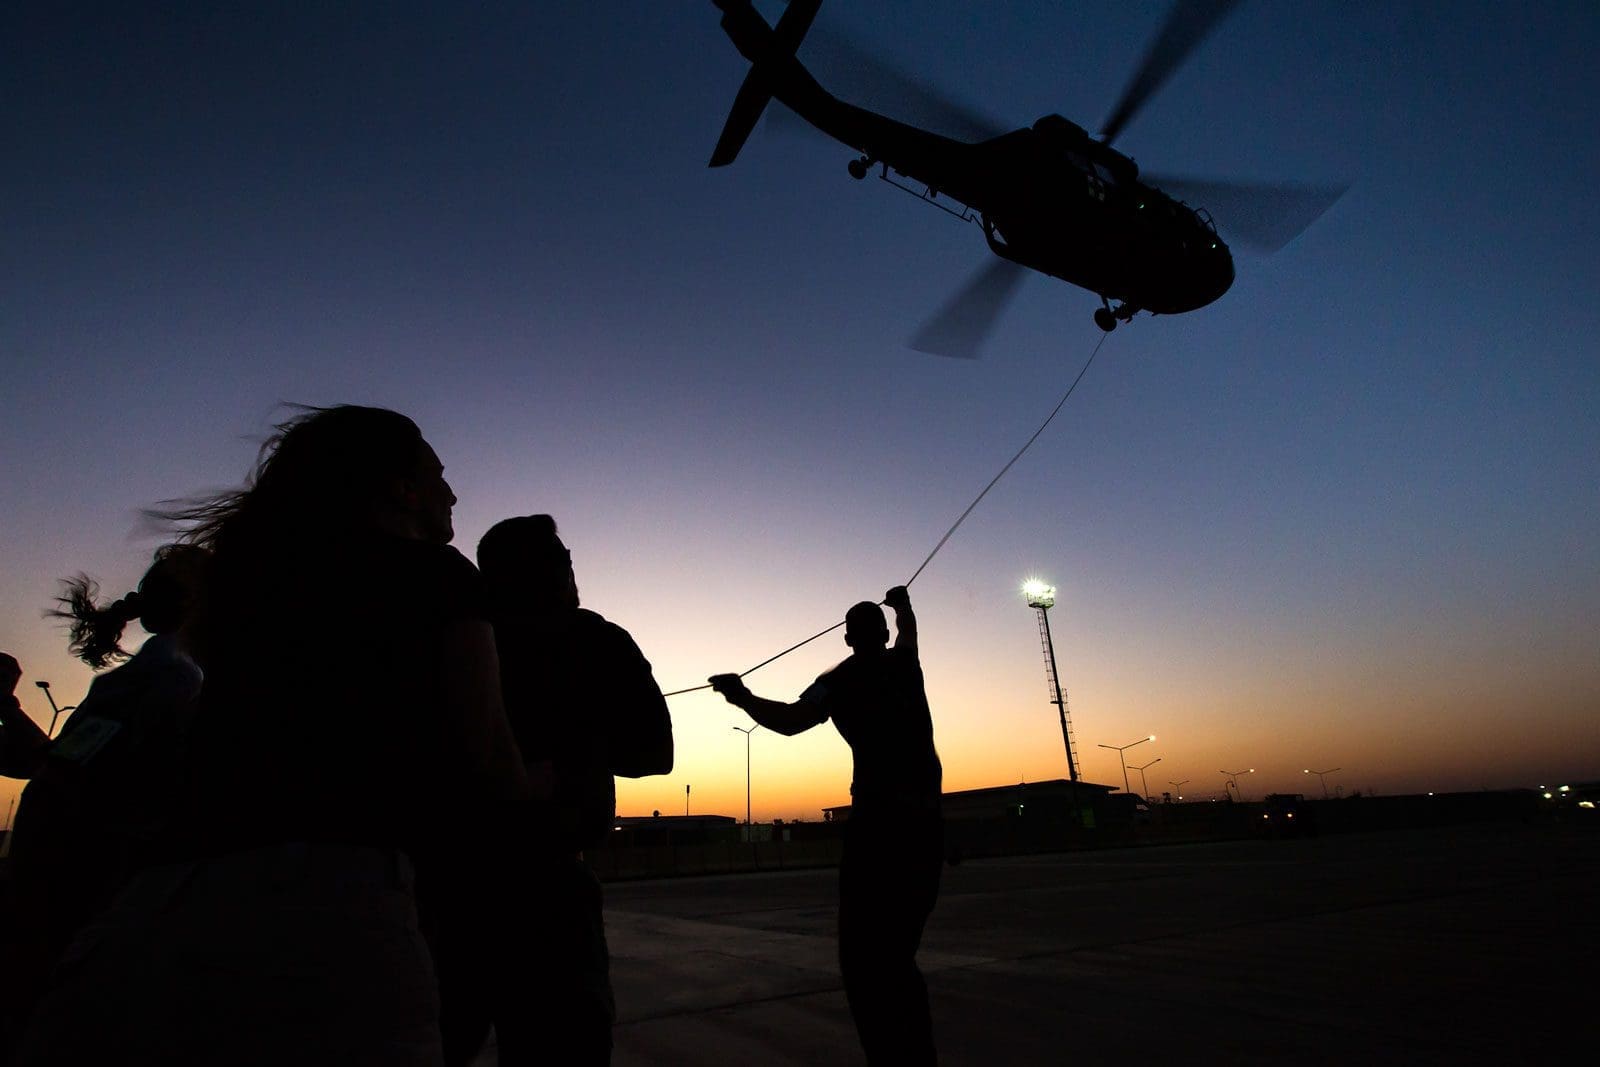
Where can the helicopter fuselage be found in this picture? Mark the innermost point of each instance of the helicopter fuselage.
(1050, 197)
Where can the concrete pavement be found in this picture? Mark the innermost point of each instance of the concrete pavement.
(1466, 944)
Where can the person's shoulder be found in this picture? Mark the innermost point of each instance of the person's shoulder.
(440, 577)
(831, 681)
(592, 622)
(165, 653)
(841, 671)
(601, 630)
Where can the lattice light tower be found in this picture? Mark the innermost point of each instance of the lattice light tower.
(1042, 598)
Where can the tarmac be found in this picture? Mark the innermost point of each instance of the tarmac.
(1468, 944)
(1463, 944)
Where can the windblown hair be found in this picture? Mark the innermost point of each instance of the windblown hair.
(319, 474)
(319, 484)
(94, 631)
(162, 602)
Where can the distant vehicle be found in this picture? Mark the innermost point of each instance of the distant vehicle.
(1573, 802)
(1286, 815)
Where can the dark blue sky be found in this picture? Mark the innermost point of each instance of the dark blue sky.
(1346, 515)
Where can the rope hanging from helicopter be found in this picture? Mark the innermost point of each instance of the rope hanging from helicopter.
(953, 526)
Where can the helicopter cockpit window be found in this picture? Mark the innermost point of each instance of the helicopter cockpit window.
(1105, 173)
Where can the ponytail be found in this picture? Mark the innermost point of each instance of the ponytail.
(95, 633)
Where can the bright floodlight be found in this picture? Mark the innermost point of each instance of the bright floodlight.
(1038, 594)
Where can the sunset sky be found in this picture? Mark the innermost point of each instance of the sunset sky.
(1348, 516)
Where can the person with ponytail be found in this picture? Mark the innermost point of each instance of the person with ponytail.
(349, 729)
(99, 791)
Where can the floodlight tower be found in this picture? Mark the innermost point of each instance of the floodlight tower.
(1042, 598)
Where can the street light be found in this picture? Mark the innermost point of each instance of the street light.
(55, 712)
(1143, 784)
(1177, 787)
(1233, 780)
(747, 731)
(1322, 774)
(1120, 749)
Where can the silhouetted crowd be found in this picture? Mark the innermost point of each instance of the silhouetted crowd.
(334, 809)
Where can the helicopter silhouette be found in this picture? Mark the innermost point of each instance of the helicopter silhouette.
(1049, 197)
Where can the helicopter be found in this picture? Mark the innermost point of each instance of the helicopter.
(1049, 197)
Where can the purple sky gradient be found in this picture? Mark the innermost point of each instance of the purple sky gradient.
(1347, 516)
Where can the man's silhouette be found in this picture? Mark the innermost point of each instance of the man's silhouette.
(529, 952)
(894, 838)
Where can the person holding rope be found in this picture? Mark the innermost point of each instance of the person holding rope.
(894, 837)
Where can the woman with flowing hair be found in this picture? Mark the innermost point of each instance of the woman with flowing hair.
(350, 728)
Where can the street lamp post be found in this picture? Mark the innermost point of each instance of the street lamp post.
(1120, 749)
(1322, 775)
(55, 712)
(1177, 787)
(747, 731)
(1144, 784)
(1233, 780)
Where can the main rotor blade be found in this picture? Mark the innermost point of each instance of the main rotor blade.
(1260, 215)
(1189, 23)
(857, 77)
(958, 328)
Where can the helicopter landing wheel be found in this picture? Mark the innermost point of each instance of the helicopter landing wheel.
(1104, 319)
(858, 168)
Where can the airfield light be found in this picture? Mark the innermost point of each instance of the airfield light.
(1323, 776)
(1041, 597)
(1121, 751)
(747, 731)
(1145, 782)
(55, 712)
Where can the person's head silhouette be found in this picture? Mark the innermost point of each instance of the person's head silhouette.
(864, 629)
(526, 565)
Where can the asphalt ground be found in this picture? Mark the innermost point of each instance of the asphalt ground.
(1466, 944)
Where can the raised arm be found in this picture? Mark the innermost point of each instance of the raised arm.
(789, 719)
(905, 620)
